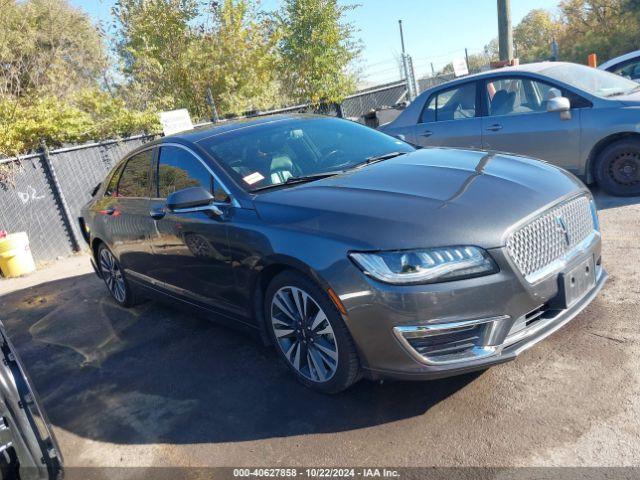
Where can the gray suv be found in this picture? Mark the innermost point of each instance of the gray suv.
(348, 250)
(579, 118)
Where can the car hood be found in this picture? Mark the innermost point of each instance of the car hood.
(431, 197)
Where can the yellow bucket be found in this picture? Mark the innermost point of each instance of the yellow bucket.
(15, 255)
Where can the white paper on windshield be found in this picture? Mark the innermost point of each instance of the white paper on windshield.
(255, 177)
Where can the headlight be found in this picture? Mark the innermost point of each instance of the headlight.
(429, 265)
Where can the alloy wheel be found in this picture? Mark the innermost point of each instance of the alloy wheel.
(304, 334)
(112, 275)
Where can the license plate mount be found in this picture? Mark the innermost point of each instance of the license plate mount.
(575, 283)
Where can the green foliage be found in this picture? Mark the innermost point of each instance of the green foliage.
(154, 41)
(237, 59)
(52, 63)
(606, 27)
(316, 49)
(48, 47)
(174, 54)
(534, 34)
(90, 115)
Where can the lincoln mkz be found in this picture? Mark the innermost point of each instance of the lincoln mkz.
(351, 252)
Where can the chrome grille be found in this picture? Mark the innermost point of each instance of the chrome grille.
(550, 236)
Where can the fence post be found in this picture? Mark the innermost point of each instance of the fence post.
(67, 220)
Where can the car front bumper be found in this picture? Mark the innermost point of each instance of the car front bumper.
(432, 331)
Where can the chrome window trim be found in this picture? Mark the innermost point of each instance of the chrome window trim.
(216, 178)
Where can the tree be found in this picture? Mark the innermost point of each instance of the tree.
(237, 59)
(603, 27)
(47, 48)
(316, 49)
(153, 40)
(534, 34)
(174, 53)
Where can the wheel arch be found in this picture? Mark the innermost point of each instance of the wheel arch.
(599, 147)
(268, 270)
(95, 246)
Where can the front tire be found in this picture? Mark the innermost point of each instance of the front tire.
(114, 278)
(617, 168)
(309, 334)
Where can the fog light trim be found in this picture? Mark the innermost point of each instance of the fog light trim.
(487, 344)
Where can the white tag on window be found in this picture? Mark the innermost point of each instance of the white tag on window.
(255, 177)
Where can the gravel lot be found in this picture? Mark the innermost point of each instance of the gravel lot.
(153, 386)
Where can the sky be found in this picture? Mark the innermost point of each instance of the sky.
(436, 31)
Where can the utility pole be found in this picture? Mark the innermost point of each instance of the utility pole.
(554, 50)
(466, 56)
(401, 36)
(505, 33)
(407, 66)
(212, 105)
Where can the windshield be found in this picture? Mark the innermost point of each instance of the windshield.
(591, 80)
(278, 152)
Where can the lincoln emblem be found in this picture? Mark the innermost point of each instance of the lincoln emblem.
(562, 228)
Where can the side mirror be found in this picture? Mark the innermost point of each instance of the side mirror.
(189, 198)
(558, 104)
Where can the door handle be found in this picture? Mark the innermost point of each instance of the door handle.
(109, 211)
(157, 213)
(426, 133)
(495, 127)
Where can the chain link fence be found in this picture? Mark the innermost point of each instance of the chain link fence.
(356, 105)
(48, 190)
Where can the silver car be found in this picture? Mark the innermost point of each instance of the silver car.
(582, 119)
(627, 65)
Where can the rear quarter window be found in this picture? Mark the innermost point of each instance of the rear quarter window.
(134, 181)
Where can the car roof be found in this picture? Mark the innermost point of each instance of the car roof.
(537, 67)
(225, 126)
(620, 59)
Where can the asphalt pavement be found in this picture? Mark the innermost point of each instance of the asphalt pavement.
(154, 386)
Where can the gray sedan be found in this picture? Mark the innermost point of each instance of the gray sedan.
(579, 118)
(348, 250)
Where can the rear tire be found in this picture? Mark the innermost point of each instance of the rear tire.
(114, 278)
(309, 334)
(617, 168)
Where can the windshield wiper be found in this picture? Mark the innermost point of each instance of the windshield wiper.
(300, 179)
(380, 158)
(622, 92)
